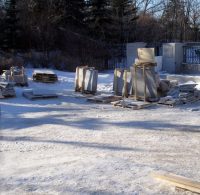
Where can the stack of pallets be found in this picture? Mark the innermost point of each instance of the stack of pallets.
(44, 76)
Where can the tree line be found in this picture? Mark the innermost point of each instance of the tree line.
(92, 27)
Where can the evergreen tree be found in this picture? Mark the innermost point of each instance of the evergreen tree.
(124, 17)
(99, 19)
(74, 13)
(2, 22)
(11, 28)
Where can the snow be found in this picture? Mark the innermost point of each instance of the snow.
(70, 146)
(43, 71)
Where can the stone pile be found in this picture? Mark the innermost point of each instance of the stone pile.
(181, 94)
(6, 90)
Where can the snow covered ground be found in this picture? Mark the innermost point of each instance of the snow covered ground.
(69, 146)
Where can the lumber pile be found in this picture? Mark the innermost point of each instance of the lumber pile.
(39, 94)
(130, 103)
(179, 181)
(181, 94)
(6, 90)
(44, 76)
(104, 98)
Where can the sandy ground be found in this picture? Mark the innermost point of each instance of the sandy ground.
(70, 146)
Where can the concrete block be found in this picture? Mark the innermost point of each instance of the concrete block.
(90, 82)
(151, 86)
(122, 84)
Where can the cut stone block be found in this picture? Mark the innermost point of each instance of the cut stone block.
(122, 84)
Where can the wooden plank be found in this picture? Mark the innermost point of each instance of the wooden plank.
(115, 103)
(179, 181)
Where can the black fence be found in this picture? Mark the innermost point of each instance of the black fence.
(191, 54)
(118, 56)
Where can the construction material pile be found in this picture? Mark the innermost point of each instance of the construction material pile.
(123, 82)
(6, 90)
(44, 76)
(16, 75)
(181, 94)
(86, 79)
(140, 79)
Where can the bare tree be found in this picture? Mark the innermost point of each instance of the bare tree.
(149, 6)
(40, 20)
(194, 16)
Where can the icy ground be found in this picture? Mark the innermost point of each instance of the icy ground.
(70, 146)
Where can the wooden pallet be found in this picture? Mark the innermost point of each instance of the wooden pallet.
(133, 104)
(104, 98)
(82, 95)
(31, 95)
(45, 77)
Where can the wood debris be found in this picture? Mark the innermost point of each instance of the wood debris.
(181, 94)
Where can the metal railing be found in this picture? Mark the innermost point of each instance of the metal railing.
(191, 54)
